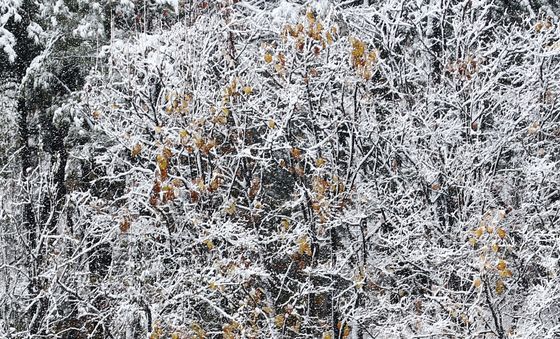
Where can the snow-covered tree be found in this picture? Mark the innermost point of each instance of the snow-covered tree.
(285, 169)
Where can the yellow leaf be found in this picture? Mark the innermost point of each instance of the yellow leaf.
(167, 153)
(539, 26)
(358, 48)
(199, 331)
(136, 150)
(267, 310)
(177, 182)
(495, 248)
(506, 274)
(464, 318)
(199, 182)
(501, 265)
(221, 119)
(316, 206)
(501, 233)
(346, 332)
(359, 279)
(320, 186)
(248, 90)
(327, 335)
(303, 246)
(477, 283)
(214, 184)
(209, 244)
(279, 69)
(162, 162)
(500, 287)
(320, 162)
(479, 231)
(229, 330)
(329, 38)
(156, 333)
(372, 56)
(367, 74)
(230, 210)
(175, 335)
(285, 224)
(271, 124)
(472, 241)
(288, 29)
(183, 134)
(279, 320)
(310, 17)
(268, 58)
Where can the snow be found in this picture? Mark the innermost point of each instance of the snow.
(259, 168)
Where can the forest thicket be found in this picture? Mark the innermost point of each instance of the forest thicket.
(279, 169)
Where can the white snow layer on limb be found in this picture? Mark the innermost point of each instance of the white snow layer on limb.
(286, 12)
(8, 9)
(289, 13)
(36, 32)
(89, 28)
(36, 71)
(173, 3)
(7, 42)
(392, 165)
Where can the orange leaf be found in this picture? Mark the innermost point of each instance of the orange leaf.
(136, 150)
(254, 189)
(296, 153)
(125, 225)
(214, 184)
